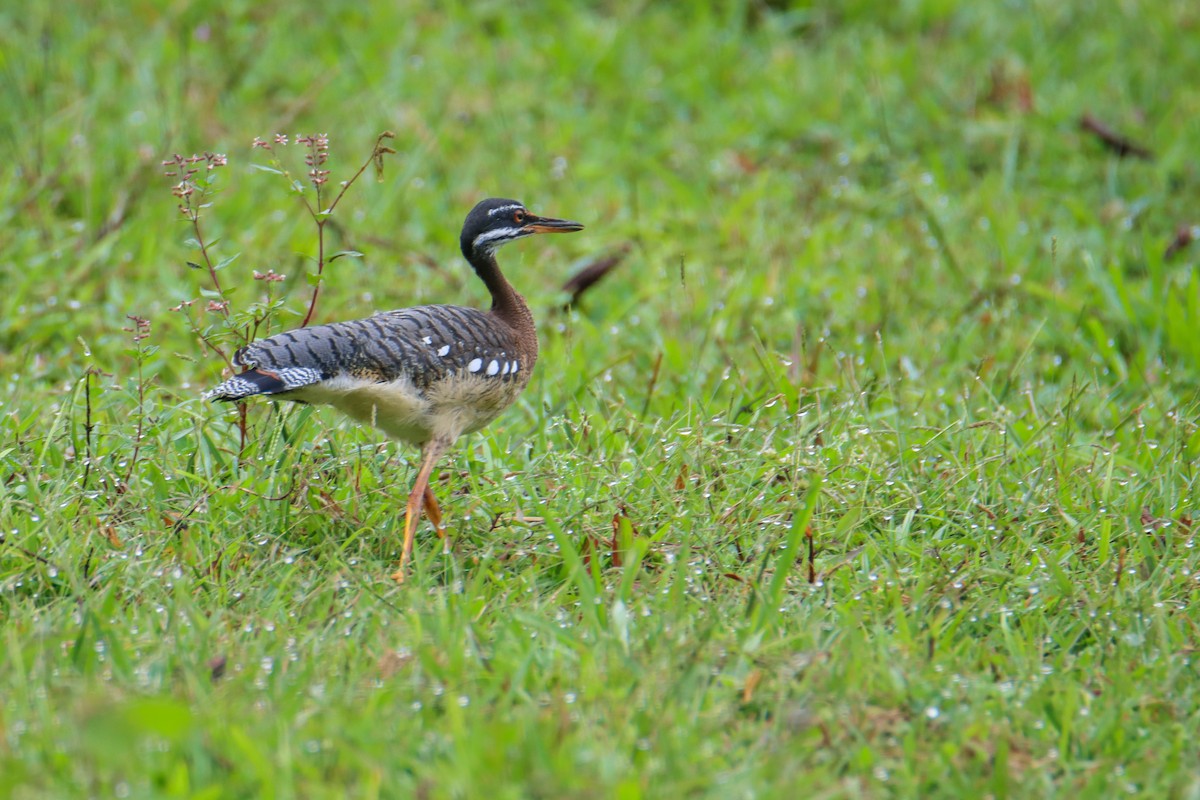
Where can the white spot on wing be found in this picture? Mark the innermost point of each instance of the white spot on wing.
(442, 352)
(516, 366)
(475, 365)
(507, 367)
(493, 367)
(427, 340)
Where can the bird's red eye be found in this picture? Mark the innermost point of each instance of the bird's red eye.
(519, 217)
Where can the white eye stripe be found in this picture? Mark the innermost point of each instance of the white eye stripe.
(500, 209)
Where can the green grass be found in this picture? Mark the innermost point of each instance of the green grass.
(870, 472)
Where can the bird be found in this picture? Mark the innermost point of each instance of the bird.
(424, 375)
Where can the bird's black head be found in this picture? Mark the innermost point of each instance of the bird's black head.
(497, 221)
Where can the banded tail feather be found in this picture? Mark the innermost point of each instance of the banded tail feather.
(261, 381)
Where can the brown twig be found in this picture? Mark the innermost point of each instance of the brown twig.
(653, 382)
(812, 555)
(591, 274)
(29, 553)
(1120, 144)
(1184, 235)
(843, 561)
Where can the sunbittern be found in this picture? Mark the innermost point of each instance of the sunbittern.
(423, 375)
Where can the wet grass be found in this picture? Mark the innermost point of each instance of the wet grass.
(870, 471)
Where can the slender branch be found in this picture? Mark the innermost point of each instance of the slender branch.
(140, 331)
(185, 308)
(192, 192)
(194, 215)
(312, 301)
(30, 554)
(376, 158)
(317, 176)
(88, 427)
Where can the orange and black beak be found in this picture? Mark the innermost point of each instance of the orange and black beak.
(535, 224)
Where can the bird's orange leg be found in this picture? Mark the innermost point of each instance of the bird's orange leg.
(434, 512)
(435, 516)
(430, 453)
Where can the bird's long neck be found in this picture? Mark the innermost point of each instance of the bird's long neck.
(507, 303)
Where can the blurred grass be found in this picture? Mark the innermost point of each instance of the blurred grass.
(876, 256)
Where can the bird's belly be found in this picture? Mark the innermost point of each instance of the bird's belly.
(467, 403)
(395, 407)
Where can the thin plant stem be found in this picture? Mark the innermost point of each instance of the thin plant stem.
(321, 217)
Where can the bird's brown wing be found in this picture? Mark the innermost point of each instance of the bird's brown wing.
(423, 344)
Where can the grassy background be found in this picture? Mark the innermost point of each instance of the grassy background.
(878, 279)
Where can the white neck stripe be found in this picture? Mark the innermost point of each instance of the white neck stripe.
(495, 236)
